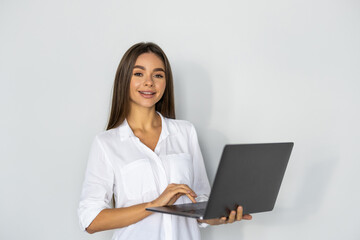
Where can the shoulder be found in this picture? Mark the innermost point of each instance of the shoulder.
(179, 126)
(107, 136)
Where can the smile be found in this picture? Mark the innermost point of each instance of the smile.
(147, 94)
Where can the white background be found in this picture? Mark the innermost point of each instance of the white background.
(245, 71)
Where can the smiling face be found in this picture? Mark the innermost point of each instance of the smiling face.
(147, 84)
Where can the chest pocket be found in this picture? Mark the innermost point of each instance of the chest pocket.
(181, 168)
(138, 179)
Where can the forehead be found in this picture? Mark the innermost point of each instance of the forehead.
(149, 59)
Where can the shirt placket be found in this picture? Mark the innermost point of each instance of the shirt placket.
(154, 156)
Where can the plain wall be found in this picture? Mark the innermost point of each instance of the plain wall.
(245, 71)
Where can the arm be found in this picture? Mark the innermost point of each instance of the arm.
(118, 217)
(122, 217)
(95, 212)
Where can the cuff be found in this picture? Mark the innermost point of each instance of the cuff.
(202, 225)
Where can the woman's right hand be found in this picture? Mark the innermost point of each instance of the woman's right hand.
(172, 193)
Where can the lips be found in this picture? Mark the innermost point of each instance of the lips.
(147, 94)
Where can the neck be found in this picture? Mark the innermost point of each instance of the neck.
(143, 118)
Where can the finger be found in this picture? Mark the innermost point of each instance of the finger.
(247, 217)
(231, 217)
(177, 190)
(239, 214)
(190, 191)
(171, 196)
(223, 220)
(174, 199)
(182, 191)
(191, 194)
(191, 198)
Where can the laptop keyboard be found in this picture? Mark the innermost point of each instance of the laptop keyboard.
(195, 211)
(194, 208)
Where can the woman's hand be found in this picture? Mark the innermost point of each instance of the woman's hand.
(234, 216)
(172, 193)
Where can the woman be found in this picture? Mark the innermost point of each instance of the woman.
(146, 158)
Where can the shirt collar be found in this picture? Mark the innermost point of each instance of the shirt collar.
(126, 132)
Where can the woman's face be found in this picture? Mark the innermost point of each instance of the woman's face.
(147, 84)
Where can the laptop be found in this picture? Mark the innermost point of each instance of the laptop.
(249, 175)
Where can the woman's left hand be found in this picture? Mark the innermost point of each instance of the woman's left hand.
(234, 216)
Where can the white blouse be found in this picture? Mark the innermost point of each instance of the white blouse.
(120, 165)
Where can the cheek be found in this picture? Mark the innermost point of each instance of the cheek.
(161, 86)
(134, 85)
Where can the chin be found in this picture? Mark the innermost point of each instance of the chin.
(145, 104)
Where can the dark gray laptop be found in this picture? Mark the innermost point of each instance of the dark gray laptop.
(249, 175)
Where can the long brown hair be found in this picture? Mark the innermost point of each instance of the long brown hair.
(121, 98)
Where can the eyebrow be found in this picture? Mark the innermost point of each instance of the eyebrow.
(155, 69)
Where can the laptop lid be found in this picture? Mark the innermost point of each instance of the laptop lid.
(248, 175)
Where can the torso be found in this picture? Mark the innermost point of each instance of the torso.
(134, 175)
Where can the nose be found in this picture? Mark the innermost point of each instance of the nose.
(149, 81)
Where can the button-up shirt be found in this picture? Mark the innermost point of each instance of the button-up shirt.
(121, 166)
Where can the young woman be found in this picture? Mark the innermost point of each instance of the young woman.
(146, 158)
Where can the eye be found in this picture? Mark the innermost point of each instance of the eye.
(138, 74)
(159, 76)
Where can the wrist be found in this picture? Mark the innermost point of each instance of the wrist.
(202, 223)
(150, 204)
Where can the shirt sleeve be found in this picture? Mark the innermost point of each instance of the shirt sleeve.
(201, 181)
(97, 190)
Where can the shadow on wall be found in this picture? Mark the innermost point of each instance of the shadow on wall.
(310, 196)
(194, 102)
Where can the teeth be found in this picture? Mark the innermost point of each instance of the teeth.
(148, 93)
